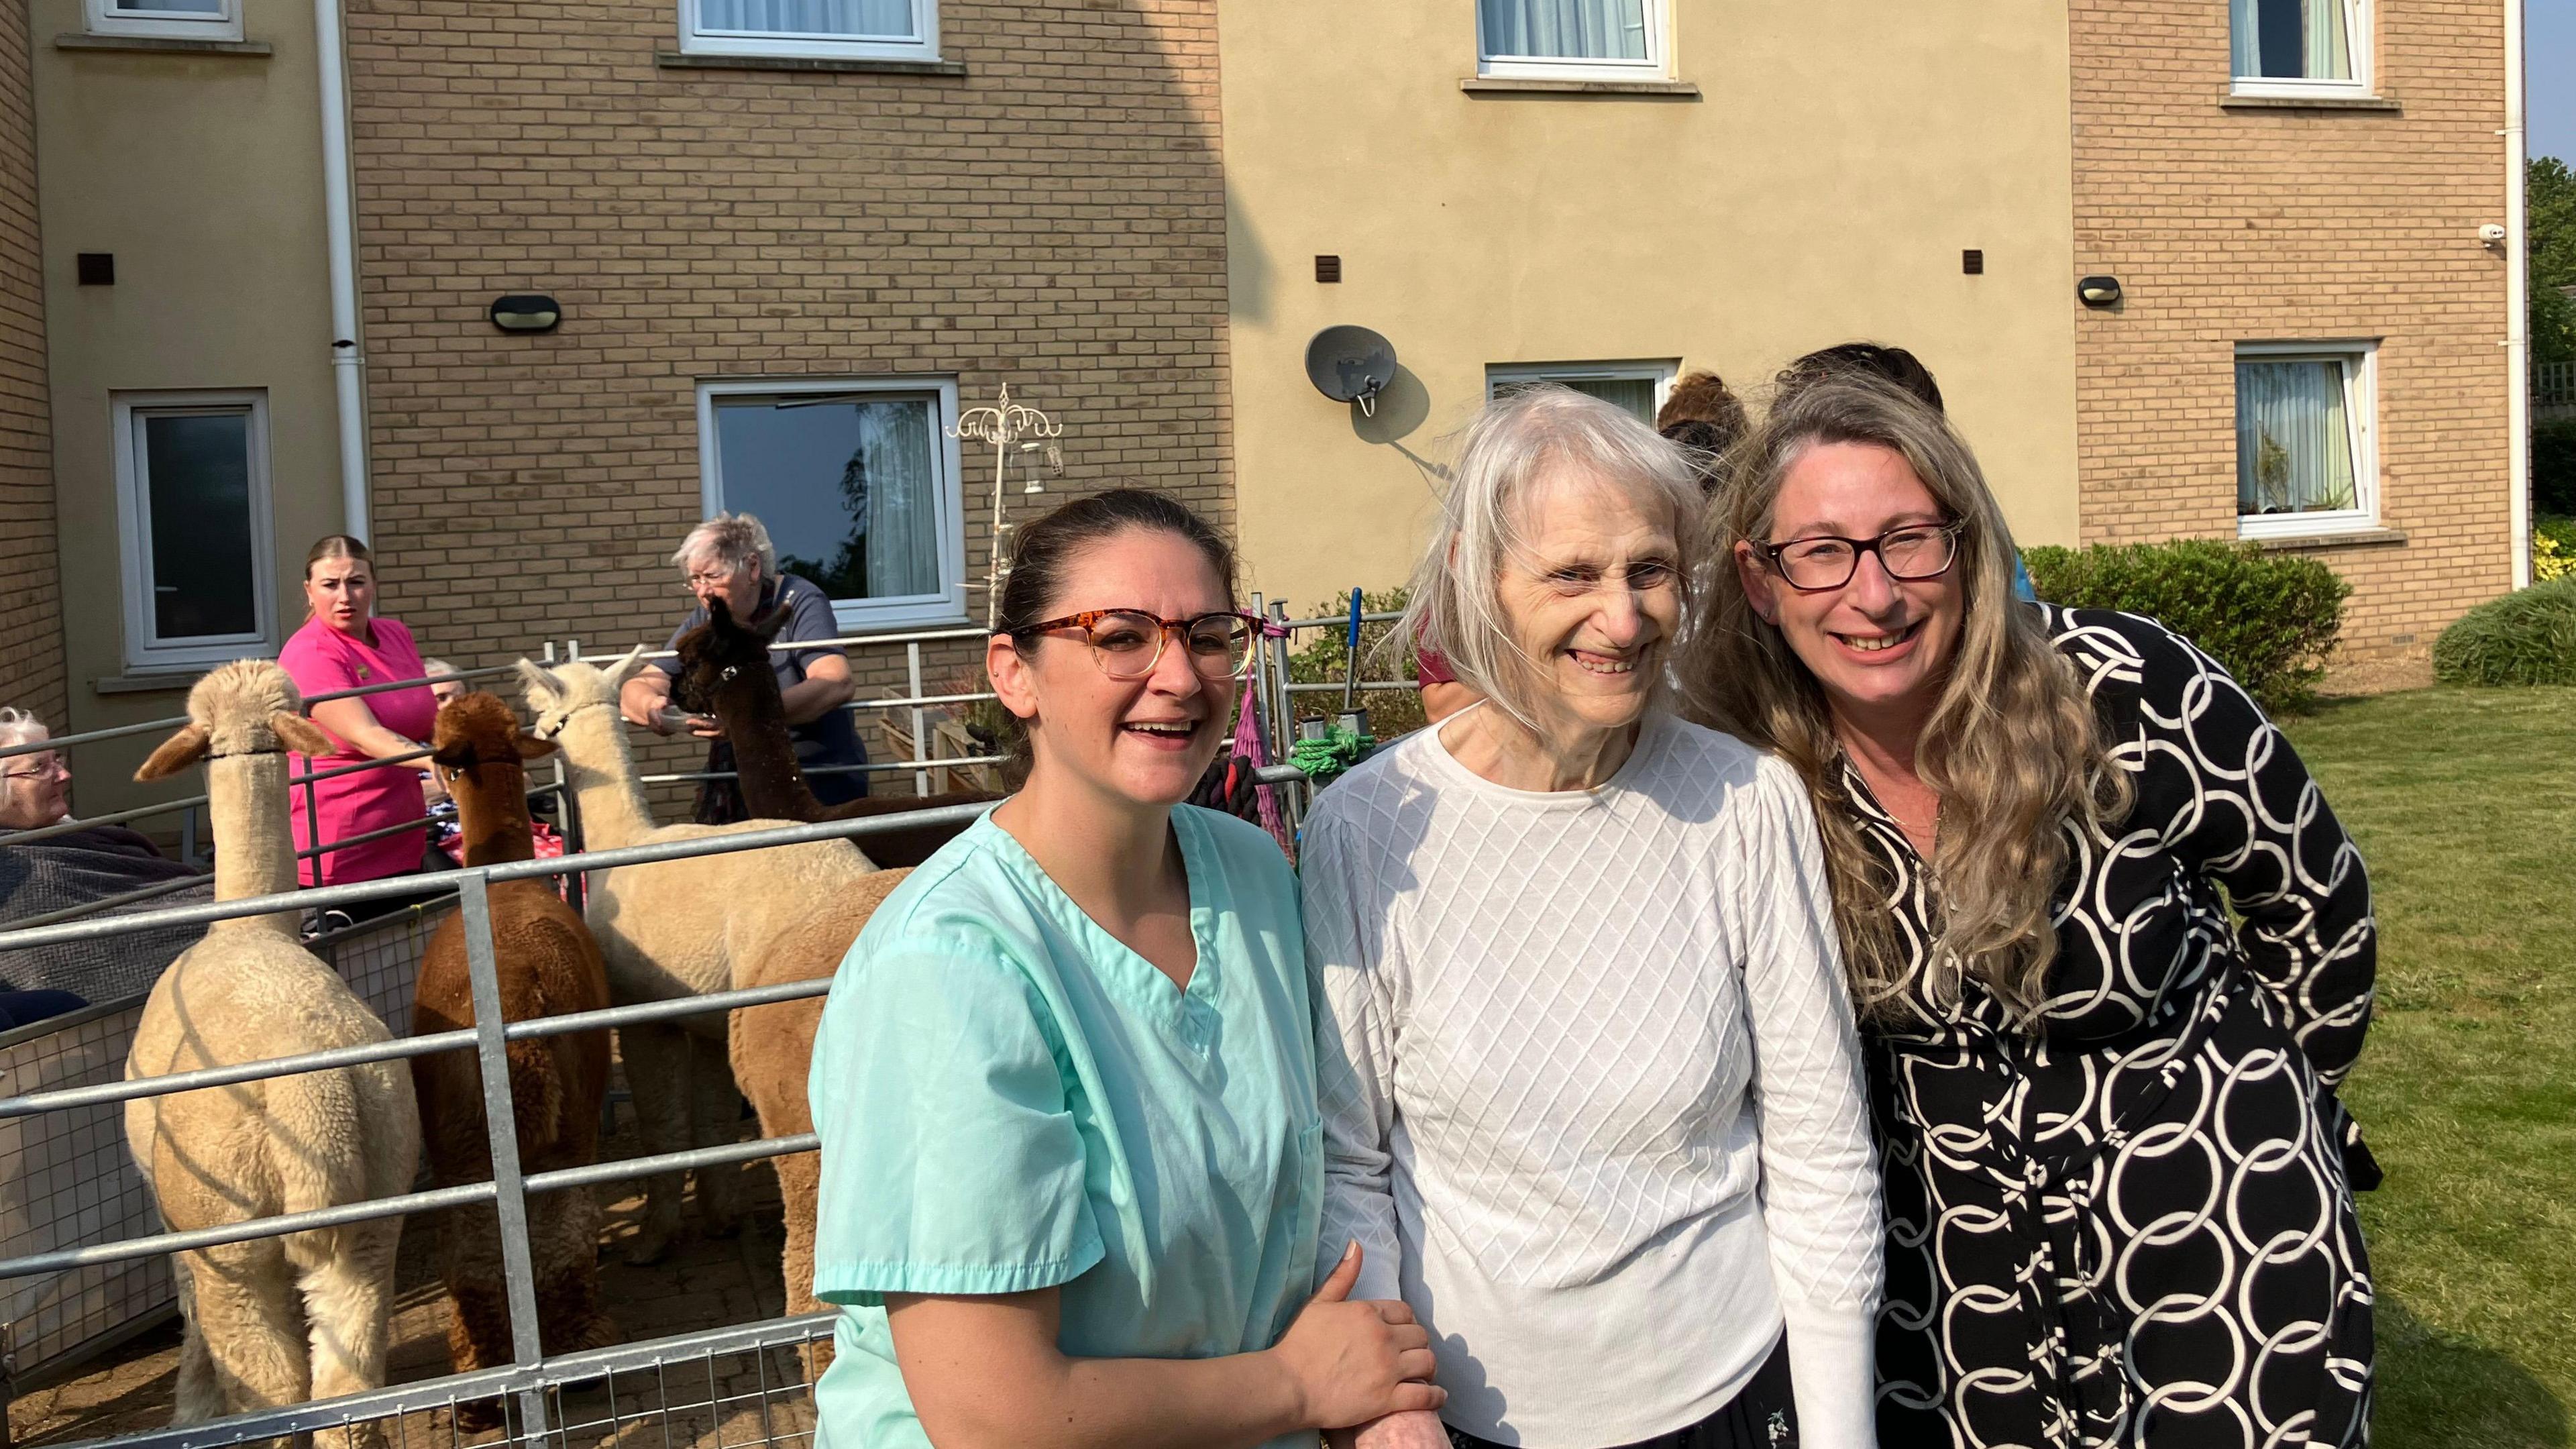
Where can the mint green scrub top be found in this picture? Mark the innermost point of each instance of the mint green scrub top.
(1010, 1099)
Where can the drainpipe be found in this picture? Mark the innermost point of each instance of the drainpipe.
(2517, 334)
(348, 375)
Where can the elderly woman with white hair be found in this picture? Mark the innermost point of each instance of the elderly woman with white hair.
(729, 557)
(1593, 1101)
(81, 865)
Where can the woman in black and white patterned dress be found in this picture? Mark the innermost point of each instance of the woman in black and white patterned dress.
(2119, 1206)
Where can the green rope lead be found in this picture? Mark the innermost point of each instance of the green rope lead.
(1338, 750)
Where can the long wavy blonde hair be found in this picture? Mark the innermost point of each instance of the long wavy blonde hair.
(2012, 747)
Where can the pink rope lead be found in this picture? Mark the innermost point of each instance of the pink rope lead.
(1247, 743)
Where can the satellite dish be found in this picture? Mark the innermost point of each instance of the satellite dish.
(1350, 364)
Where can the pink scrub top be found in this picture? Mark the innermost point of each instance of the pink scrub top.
(322, 660)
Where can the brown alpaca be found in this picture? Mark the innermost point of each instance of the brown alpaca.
(724, 672)
(548, 966)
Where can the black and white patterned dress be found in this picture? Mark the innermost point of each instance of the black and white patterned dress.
(2136, 1226)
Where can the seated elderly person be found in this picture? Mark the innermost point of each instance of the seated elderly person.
(75, 868)
(729, 557)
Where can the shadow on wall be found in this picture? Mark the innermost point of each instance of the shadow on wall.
(2437, 1387)
(1401, 410)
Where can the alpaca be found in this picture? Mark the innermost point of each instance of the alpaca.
(548, 966)
(687, 927)
(269, 1321)
(724, 671)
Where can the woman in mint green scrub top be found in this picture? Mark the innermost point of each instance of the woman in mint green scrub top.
(1065, 1082)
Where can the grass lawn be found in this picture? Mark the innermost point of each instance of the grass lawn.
(2464, 802)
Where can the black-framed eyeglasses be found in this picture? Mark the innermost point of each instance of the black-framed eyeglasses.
(1129, 642)
(1910, 554)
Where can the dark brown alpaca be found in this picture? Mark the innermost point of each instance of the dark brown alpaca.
(724, 672)
(549, 966)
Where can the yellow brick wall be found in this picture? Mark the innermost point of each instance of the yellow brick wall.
(2228, 225)
(1053, 219)
(31, 633)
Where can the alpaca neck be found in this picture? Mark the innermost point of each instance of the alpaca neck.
(246, 799)
(602, 775)
(492, 814)
(755, 721)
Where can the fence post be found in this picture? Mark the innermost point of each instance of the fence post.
(920, 746)
(501, 1123)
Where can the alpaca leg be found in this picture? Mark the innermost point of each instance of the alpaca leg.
(247, 1319)
(798, 1177)
(199, 1396)
(717, 1112)
(478, 1304)
(348, 1300)
(657, 1073)
(563, 1232)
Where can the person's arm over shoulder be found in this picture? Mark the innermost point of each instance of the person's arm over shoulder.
(951, 1162)
(1353, 977)
(1819, 1169)
(2232, 800)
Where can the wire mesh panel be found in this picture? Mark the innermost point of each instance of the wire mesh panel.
(65, 1180)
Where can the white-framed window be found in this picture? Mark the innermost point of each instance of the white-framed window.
(1637, 386)
(1572, 39)
(857, 481)
(2307, 452)
(170, 19)
(829, 29)
(193, 515)
(2294, 48)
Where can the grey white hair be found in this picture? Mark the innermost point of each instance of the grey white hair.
(1520, 440)
(731, 539)
(17, 727)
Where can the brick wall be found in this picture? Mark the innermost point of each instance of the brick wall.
(2229, 225)
(31, 630)
(1053, 219)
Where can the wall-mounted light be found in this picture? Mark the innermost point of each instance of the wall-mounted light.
(526, 312)
(2098, 291)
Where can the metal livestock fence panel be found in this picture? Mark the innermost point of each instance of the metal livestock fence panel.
(66, 1178)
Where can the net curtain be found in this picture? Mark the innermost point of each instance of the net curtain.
(1565, 29)
(2298, 408)
(901, 511)
(886, 18)
(2324, 31)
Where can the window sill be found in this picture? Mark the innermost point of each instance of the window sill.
(1498, 85)
(175, 682)
(863, 65)
(2348, 538)
(163, 45)
(2388, 105)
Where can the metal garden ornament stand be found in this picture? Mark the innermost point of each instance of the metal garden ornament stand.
(1008, 426)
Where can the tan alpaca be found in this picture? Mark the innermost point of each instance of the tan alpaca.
(271, 1321)
(687, 927)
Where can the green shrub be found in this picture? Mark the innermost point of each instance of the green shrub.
(2270, 618)
(2526, 637)
(1324, 660)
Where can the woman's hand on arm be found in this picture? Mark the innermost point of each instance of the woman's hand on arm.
(826, 687)
(1413, 1429)
(350, 720)
(985, 1373)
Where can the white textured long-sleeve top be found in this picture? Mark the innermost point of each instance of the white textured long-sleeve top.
(1592, 1097)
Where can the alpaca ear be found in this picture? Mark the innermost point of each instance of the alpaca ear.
(300, 734)
(177, 753)
(719, 613)
(543, 690)
(624, 669)
(532, 748)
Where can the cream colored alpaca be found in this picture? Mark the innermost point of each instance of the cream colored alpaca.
(687, 927)
(271, 1321)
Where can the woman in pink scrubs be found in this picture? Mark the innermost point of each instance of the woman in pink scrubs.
(345, 646)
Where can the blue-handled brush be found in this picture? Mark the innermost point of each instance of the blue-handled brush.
(1351, 646)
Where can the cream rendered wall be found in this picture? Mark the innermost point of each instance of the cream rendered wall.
(202, 174)
(1841, 155)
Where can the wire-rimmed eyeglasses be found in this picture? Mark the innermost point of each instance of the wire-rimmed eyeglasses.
(1129, 642)
(1910, 554)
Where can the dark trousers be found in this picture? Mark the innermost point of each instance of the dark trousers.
(17, 1008)
(1762, 1416)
